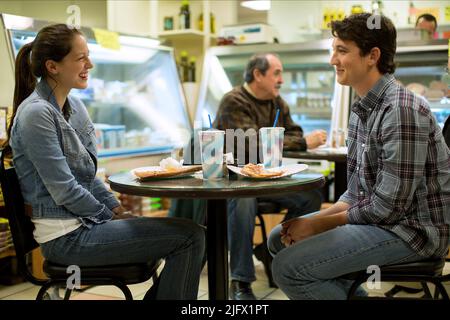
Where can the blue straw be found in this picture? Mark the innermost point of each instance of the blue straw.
(276, 118)
(210, 122)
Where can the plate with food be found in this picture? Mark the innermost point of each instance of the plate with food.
(257, 171)
(156, 172)
(168, 168)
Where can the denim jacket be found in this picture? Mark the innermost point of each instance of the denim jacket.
(56, 159)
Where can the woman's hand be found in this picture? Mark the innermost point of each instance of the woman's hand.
(121, 213)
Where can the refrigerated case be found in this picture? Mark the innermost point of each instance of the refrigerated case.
(309, 80)
(134, 94)
(422, 68)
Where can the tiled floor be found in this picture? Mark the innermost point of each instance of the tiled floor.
(27, 291)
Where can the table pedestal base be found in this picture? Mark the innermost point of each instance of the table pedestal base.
(217, 249)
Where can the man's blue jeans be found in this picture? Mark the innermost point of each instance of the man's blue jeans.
(180, 242)
(241, 226)
(313, 268)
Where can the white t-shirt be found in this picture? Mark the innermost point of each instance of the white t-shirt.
(50, 229)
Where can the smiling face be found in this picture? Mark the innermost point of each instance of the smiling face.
(352, 69)
(72, 71)
(350, 66)
(268, 85)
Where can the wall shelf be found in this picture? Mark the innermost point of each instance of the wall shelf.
(185, 35)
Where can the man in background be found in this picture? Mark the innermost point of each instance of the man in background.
(428, 23)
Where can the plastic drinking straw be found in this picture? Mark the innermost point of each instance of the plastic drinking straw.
(276, 118)
(210, 122)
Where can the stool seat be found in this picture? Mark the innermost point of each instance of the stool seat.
(423, 272)
(126, 273)
(268, 207)
(428, 267)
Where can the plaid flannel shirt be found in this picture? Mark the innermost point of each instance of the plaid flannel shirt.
(398, 168)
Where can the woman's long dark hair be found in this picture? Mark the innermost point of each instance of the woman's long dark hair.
(53, 42)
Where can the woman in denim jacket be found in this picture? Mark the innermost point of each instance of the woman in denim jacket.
(77, 220)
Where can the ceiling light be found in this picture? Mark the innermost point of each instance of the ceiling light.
(260, 5)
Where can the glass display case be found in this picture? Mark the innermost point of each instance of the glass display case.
(309, 80)
(421, 67)
(134, 94)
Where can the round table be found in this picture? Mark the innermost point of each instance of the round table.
(340, 165)
(217, 192)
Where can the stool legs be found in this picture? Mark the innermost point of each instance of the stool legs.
(261, 252)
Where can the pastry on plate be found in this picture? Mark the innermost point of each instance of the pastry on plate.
(257, 171)
(158, 172)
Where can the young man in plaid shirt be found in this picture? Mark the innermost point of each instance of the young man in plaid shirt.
(397, 205)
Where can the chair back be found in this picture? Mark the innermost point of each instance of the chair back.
(446, 131)
(19, 223)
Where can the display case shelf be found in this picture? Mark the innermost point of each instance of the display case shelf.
(126, 152)
(426, 76)
(311, 111)
(439, 105)
(185, 34)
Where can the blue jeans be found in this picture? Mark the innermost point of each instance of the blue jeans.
(241, 226)
(313, 268)
(180, 242)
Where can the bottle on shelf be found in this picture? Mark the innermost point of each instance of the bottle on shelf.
(200, 22)
(212, 22)
(185, 15)
(411, 14)
(357, 8)
(377, 7)
(326, 18)
(191, 69)
(340, 14)
(332, 15)
(184, 66)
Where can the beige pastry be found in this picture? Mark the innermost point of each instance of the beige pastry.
(255, 171)
(165, 173)
(438, 85)
(417, 88)
(434, 94)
